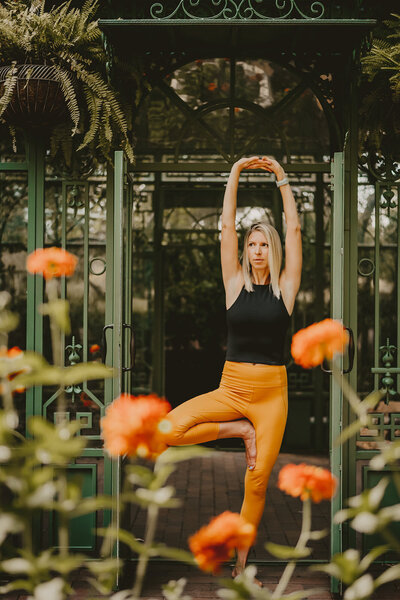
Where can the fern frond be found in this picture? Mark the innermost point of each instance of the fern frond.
(9, 87)
(94, 106)
(70, 97)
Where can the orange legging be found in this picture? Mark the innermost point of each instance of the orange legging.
(255, 392)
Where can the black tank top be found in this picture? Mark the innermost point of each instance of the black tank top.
(257, 325)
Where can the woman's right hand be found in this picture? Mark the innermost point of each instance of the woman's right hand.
(253, 162)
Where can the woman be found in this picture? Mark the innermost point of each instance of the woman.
(251, 402)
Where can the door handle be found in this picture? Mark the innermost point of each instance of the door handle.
(352, 350)
(132, 347)
(104, 345)
(351, 353)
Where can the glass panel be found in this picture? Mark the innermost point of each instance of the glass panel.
(13, 252)
(143, 285)
(75, 214)
(273, 111)
(378, 309)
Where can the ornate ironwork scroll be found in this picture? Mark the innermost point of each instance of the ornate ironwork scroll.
(388, 370)
(238, 9)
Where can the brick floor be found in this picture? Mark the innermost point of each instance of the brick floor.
(208, 486)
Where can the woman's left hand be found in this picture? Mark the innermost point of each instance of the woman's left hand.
(271, 165)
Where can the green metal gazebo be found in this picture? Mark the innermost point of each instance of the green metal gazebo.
(219, 79)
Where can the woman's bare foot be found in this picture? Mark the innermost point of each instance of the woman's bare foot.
(249, 438)
(237, 569)
(241, 428)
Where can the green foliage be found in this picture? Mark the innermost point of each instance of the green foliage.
(68, 39)
(380, 109)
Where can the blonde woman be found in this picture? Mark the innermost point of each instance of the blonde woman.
(251, 401)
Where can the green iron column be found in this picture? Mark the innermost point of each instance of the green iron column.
(35, 287)
(351, 276)
(158, 382)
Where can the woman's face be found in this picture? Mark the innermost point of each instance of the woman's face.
(257, 249)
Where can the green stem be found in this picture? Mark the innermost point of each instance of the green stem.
(27, 535)
(63, 532)
(391, 539)
(301, 545)
(8, 401)
(348, 391)
(151, 525)
(52, 294)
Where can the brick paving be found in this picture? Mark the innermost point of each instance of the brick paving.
(209, 485)
(206, 487)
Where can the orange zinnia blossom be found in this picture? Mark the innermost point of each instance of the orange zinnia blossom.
(132, 426)
(307, 481)
(215, 543)
(11, 354)
(51, 262)
(310, 346)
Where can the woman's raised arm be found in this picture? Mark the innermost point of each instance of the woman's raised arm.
(229, 241)
(291, 274)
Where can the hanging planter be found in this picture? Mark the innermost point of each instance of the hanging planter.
(37, 99)
(56, 78)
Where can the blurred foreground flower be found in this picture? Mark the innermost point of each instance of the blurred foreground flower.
(307, 481)
(11, 365)
(215, 543)
(135, 425)
(51, 262)
(310, 346)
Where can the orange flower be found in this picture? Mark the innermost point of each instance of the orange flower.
(12, 368)
(133, 425)
(215, 543)
(310, 346)
(94, 348)
(51, 262)
(307, 481)
(212, 87)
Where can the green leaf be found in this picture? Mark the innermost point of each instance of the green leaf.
(361, 589)
(89, 505)
(16, 565)
(348, 433)
(125, 537)
(174, 553)
(369, 558)
(17, 584)
(318, 535)
(286, 552)
(59, 311)
(8, 321)
(174, 455)
(85, 372)
(391, 574)
(139, 475)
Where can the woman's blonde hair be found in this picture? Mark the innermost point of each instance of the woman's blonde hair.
(274, 256)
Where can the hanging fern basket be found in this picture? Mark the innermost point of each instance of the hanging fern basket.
(37, 100)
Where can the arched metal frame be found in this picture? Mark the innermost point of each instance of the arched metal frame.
(155, 79)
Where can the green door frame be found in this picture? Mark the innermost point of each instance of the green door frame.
(337, 312)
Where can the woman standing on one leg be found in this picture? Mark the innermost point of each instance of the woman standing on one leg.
(251, 401)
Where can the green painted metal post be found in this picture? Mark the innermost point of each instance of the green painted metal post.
(35, 288)
(337, 307)
(351, 278)
(117, 266)
(158, 382)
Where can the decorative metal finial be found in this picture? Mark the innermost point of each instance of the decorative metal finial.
(73, 359)
(387, 380)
